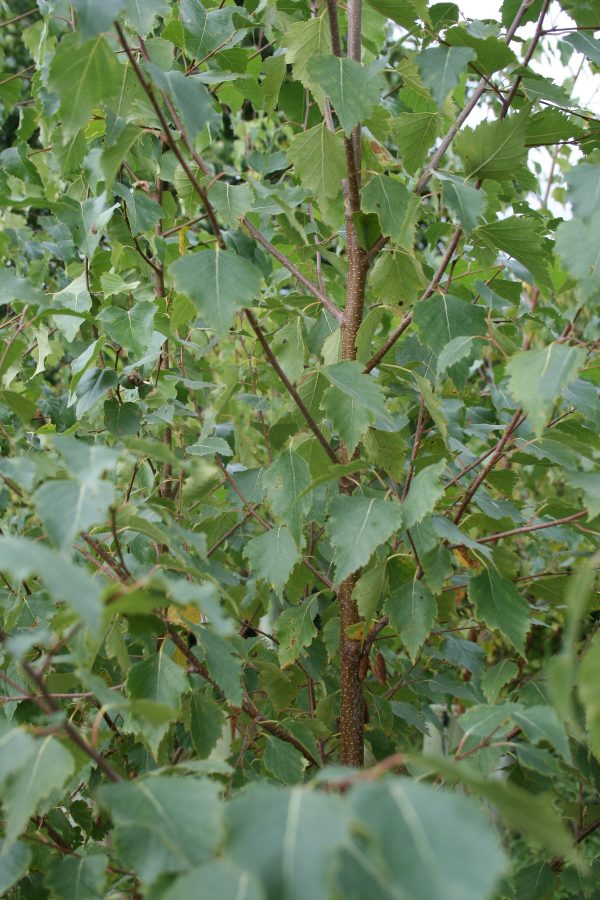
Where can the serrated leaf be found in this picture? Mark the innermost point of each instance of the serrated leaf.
(579, 253)
(231, 201)
(538, 378)
(14, 862)
(319, 161)
(272, 556)
(540, 723)
(589, 484)
(353, 89)
(82, 75)
(357, 526)
(397, 276)
(283, 761)
(441, 68)
(130, 328)
(496, 677)
(68, 507)
(295, 630)
(22, 557)
(442, 318)
(353, 402)
(46, 771)
(493, 149)
(499, 605)
(395, 206)
(425, 490)
(522, 238)
(78, 878)
(286, 481)
(219, 283)
(432, 830)
(205, 720)
(588, 679)
(464, 200)
(222, 662)
(415, 134)
(302, 827)
(163, 824)
(412, 610)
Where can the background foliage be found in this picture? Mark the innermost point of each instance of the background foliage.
(299, 431)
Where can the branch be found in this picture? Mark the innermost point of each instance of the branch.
(289, 265)
(147, 87)
(525, 529)
(476, 96)
(493, 459)
(49, 706)
(290, 387)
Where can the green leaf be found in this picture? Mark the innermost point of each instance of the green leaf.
(496, 677)
(286, 481)
(425, 490)
(357, 526)
(222, 662)
(403, 12)
(353, 402)
(130, 328)
(68, 507)
(585, 43)
(540, 723)
(284, 762)
(231, 202)
(415, 134)
(94, 18)
(463, 199)
(531, 814)
(83, 878)
(216, 879)
(122, 419)
(163, 824)
(412, 610)
(588, 679)
(442, 318)
(578, 252)
(431, 843)
(396, 207)
(319, 161)
(66, 581)
(538, 378)
(549, 127)
(157, 678)
(522, 238)
(219, 283)
(45, 771)
(294, 629)
(82, 75)
(441, 68)
(304, 41)
(584, 189)
(493, 149)
(190, 97)
(272, 556)
(13, 287)
(86, 220)
(205, 720)
(293, 849)
(499, 605)
(352, 88)
(14, 863)
(397, 276)
(589, 484)
(141, 14)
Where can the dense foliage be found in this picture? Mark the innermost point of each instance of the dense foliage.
(299, 434)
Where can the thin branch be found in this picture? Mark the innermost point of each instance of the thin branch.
(526, 529)
(289, 265)
(147, 87)
(290, 387)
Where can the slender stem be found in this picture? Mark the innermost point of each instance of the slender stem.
(289, 265)
(526, 529)
(290, 387)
